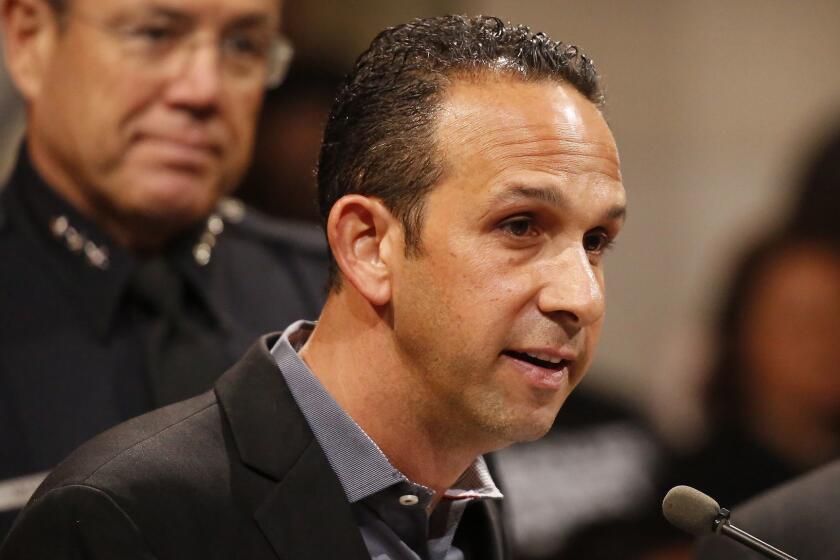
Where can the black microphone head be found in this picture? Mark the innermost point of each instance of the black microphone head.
(690, 510)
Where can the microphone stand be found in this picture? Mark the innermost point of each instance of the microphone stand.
(722, 526)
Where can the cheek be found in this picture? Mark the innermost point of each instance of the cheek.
(593, 335)
(449, 302)
(76, 122)
(110, 92)
(485, 295)
(479, 287)
(243, 110)
(772, 357)
(240, 115)
(486, 270)
(763, 348)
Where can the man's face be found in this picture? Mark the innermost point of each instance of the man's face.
(499, 316)
(138, 127)
(792, 324)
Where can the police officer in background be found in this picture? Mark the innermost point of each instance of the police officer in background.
(128, 280)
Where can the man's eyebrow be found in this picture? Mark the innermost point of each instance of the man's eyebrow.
(255, 21)
(550, 196)
(158, 10)
(546, 195)
(248, 20)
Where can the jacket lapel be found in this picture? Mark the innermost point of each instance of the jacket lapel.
(480, 534)
(305, 514)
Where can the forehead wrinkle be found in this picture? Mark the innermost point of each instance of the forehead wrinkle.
(553, 160)
(496, 144)
(571, 140)
(556, 122)
(514, 191)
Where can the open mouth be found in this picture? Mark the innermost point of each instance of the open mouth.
(543, 361)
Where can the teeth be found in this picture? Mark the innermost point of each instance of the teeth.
(544, 357)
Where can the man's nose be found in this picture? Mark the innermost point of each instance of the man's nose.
(572, 288)
(196, 82)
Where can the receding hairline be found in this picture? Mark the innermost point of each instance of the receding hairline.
(460, 82)
(499, 71)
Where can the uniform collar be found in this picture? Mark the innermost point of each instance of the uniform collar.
(93, 267)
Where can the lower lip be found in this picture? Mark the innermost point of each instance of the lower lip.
(539, 377)
(178, 153)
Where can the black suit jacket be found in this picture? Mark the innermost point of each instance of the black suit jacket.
(233, 473)
(801, 517)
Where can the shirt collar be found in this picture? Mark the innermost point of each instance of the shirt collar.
(360, 465)
(475, 483)
(71, 239)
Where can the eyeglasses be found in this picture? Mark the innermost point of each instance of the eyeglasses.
(164, 44)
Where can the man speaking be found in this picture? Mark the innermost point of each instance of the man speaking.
(469, 187)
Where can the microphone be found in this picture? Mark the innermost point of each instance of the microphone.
(694, 512)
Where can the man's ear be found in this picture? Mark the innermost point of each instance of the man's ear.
(364, 238)
(30, 30)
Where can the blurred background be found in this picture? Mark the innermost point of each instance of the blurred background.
(719, 108)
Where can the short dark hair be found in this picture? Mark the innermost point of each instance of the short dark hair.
(379, 136)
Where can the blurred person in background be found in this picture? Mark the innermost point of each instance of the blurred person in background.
(772, 391)
(816, 210)
(129, 281)
(773, 396)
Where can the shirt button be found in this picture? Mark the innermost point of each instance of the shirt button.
(409, 500)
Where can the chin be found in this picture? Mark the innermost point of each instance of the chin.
(529, 427)
(176, 200)
(535, 429)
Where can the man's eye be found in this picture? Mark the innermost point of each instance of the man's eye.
(154, 33)
(596, 242)
(519, 227)
(246, 45)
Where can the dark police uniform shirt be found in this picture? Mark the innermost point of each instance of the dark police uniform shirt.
(73, 349)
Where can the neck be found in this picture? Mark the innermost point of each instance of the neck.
(135, 234)
(365, 374)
